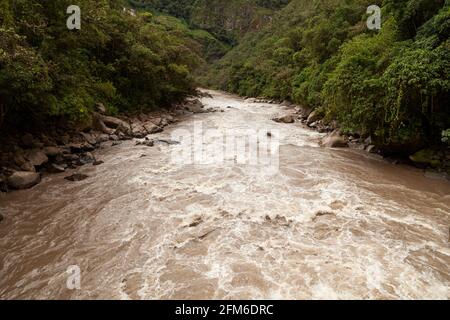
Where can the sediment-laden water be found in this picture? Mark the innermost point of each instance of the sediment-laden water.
(337, 224)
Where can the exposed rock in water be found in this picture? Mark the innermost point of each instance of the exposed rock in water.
(77, 177)
(285, 119)
(166, 141)
(23, 180)
(148, 143)
(36, 157)
(98, 163)
(56, 168)
(118, 124)
(335, 140)
(86, 158)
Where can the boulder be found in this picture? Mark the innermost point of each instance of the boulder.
(81, 147)
(285, 119)
(19, 158)
(195, 106)
(56, 168)
(98, 163)
(1, 217)
(89, 138)
(152, 128)
(28, 166)
(86, 158)
(77, 177)
(304, 112)
(117, 124)
(36, 157)
(23, 180)
(313, 117)
(103, 137)
(99, 125)
(63, 139)
(27, 140)
(335, 140)
(138, 129)
(52, 151)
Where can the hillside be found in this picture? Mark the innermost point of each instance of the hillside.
(390, 84)
(49, 74)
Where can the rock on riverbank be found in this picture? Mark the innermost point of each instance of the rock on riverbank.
(24, 158)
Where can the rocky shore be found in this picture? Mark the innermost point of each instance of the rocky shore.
(25, 158)
(435, 160)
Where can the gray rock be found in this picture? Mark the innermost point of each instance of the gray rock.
(52, 151)
(19, 158)
(77, 177)
(98, 163)
(87, 158)
(138, 130)
(56, 168)
(36, 157)
(28, 166)
(89, 138)
(313, 117)
(81, 147)
(23, 180)
(335, 140)
(99, 125)
(285, 119)
(152, 128)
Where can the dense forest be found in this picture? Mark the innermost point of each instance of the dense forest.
(127, 62)
(391, 84)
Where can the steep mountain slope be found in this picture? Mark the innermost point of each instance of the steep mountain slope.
(48, 73)
(227, 20)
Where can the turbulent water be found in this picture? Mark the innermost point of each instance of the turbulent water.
(337, 224)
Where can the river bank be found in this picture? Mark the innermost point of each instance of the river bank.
(26, 157)
(434, 161)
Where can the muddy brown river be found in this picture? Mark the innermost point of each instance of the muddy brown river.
(326, 224)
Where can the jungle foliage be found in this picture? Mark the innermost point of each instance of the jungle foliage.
(127, 62)
(392, 84)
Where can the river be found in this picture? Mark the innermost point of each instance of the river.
(320, 224)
